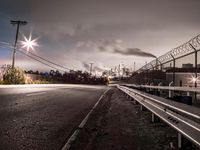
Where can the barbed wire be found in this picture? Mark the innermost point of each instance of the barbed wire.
(180, 51)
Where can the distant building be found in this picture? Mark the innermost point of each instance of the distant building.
(187, 65)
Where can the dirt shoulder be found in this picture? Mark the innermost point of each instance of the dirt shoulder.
(118, 124)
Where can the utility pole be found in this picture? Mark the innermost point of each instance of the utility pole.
(18, 23)
(91, 68)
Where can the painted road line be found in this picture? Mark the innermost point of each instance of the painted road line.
(38, 93)
(82, 124)
(47, 85)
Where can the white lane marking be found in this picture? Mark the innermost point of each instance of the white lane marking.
(82, 124)
(49, 85)
(38, 93)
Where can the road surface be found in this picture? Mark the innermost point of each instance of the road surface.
(43, 117)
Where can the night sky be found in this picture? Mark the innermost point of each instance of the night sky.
(74, 33)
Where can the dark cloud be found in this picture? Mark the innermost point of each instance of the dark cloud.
(134, 52)
(115, 46)
(66, 25)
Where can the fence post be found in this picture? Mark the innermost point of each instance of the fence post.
(196, 69)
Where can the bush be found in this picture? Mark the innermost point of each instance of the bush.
(1, 82)
(13, 76)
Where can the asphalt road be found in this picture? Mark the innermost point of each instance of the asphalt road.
(43, 117)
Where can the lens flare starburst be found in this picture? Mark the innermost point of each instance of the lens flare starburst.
(193, 79)
(29, 43)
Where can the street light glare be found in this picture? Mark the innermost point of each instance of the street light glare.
(29, 43)
(194, 79)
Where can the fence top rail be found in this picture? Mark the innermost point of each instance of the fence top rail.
(183, 108)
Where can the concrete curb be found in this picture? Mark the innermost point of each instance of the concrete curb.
(82, 124)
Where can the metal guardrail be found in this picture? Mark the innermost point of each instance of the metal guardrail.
(183, 118)
(172, 88)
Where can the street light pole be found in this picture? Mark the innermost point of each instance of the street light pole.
(91, 68)
(18, 23)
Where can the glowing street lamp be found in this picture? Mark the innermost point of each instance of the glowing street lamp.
(29, 43)
(194, 80)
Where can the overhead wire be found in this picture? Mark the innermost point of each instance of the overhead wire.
(22, 52)
(33, 57)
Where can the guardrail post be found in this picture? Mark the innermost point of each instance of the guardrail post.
(170, 92)
(141, 108)
(179, 140)
(130, 98)
(127, 95)
(134, 102)
(152, 117)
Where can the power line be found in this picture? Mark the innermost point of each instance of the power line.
(6, 46)
(2, 42)
(20, 50)
(36, 59)
(39, 60)
(47, 60)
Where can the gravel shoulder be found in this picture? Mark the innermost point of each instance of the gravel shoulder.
(118, 124)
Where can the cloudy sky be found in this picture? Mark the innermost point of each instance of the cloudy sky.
(73, 33)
